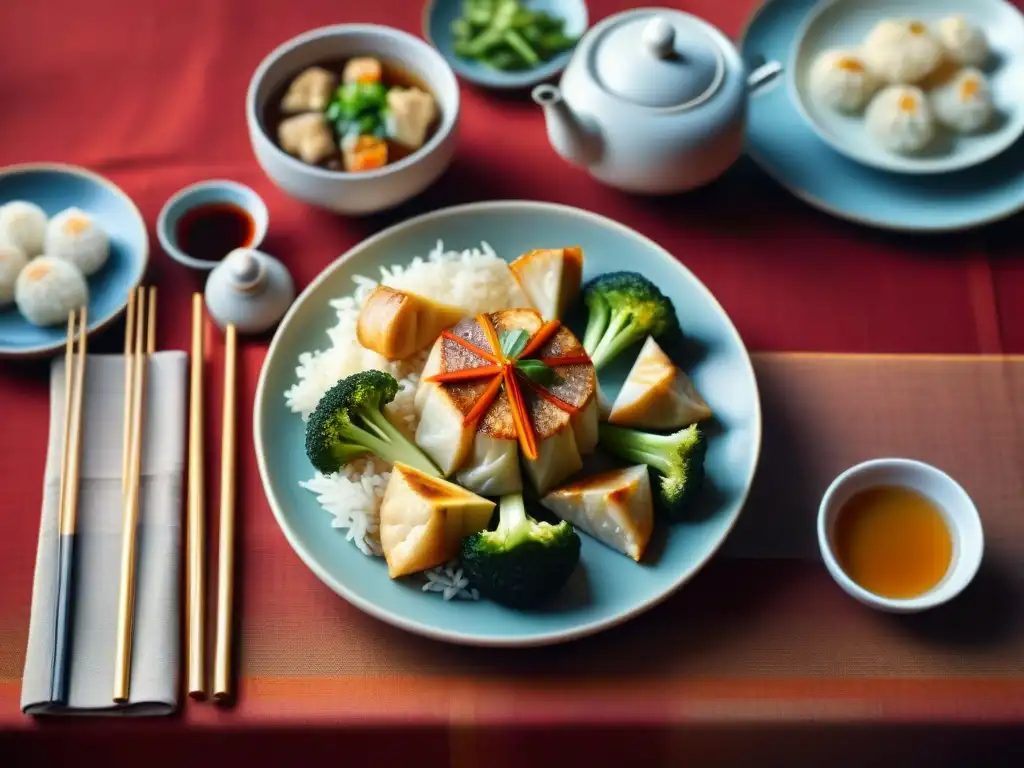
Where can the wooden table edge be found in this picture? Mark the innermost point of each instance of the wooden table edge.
(431, 701)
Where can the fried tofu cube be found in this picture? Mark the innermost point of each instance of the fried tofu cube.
(308, 137)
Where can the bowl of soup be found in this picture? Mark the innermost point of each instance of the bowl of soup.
(354, 118)
(899, 535)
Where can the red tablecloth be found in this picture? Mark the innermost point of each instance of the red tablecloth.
(151, 95)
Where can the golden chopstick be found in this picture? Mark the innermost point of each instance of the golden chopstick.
(71, 453)
(195, 574)
(126, 592)
(129, 335)
(226, 554)
(151, 325)
(69, 379)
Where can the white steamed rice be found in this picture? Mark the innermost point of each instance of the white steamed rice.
(477, 280)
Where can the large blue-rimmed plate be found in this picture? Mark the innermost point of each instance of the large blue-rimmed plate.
(54, 187)
(609, 588)
(784, 145)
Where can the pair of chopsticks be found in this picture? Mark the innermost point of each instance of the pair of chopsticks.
(196, 520)
(139, 344)
(71, 453)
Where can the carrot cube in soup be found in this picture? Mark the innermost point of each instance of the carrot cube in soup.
(364, 69)
(364, 153)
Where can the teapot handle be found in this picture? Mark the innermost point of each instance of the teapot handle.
(762, 76)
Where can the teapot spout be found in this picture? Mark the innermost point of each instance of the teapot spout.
(572, 137)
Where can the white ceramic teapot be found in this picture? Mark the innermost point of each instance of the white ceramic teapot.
(653, 101)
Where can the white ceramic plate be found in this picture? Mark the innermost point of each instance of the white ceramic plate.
(845, 23)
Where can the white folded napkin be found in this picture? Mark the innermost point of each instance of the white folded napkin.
(97, 572)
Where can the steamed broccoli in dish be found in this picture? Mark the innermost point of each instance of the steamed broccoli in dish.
(678, 459)
(523, 561)
(349, 422)
(624, 308)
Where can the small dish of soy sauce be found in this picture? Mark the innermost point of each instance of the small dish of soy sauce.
(204, 222)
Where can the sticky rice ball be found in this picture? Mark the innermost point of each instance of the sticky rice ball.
(23, 224)
(73, 235)
(841, 80)
(963, 42)
(902, 51)
(12, 261)
(48, 289)
(900, 119)
(965, 103)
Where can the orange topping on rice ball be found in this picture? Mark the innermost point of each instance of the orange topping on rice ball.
(75, 225)
(37, 270)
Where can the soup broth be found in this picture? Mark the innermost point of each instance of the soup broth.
(391, 76)
(893, 542)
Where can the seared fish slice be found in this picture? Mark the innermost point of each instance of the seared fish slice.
(614, 507)
(657, 394)
(423, 520)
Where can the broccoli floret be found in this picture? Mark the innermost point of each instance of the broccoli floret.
(678, 459)
(349, 422)
(522, 562)
(624, 308)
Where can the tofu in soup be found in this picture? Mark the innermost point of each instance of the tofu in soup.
(310, 91)
(308, 137)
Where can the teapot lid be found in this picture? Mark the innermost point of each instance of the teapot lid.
(661, 58)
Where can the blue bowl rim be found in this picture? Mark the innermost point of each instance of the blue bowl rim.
(85, 173)
(182, 196)
(450, 118)
(506, 81)
(261, 401)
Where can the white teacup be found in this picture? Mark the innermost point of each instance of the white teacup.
(958, 511)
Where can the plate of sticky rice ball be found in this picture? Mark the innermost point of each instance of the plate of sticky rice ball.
(68, 238)
(912, 86)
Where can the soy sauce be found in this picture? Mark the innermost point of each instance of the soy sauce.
(211, 231)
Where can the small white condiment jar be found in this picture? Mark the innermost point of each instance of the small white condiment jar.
(249, 288)
(959, 513)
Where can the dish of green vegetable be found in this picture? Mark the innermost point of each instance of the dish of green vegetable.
(506, 35)
(506, 43)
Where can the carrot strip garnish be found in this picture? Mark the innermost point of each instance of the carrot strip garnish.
(490, 334)
(550, 397)
(543, 333)
(565, 360)
(466, 374)
(481, 405)
(527, 440)
(478, 351)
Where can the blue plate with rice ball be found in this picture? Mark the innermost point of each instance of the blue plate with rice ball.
(55, 187)
(607, 588)
(844, 24)
(782, 143)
